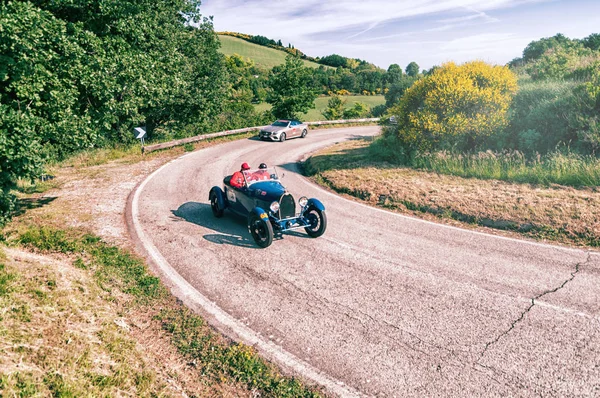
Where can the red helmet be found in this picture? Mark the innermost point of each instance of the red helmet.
(245, 166)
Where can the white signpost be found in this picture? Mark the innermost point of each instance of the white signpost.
(139, 133)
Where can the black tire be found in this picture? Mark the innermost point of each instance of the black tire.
(214, 205)
(261, 230)
(317, 220)
(282, 137)
(304, 132)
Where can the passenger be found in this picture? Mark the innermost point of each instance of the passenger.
(262, 174)
(237, 179)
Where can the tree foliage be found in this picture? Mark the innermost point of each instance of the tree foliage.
(335, 108)
(412, 69)
(292, 90)
(455, 106)
(397, 90)
(537, 48)
(80, 74)
(592, 41)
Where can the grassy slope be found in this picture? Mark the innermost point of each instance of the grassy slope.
(265, 57)
(321, 104)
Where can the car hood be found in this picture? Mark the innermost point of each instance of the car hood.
(272, 129)
(267, 190)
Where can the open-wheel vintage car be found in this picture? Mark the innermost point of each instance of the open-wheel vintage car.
(269, 207)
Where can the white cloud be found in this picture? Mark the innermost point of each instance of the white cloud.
(388, 31)
(293, 18)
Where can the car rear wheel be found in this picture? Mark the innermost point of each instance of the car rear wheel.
(282, 137)
(304, 132)
(214, 205)
(261, 230)
(317, 221)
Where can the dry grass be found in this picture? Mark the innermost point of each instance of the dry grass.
(556, 213)
(62, 335)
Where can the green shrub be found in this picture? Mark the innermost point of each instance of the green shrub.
(540, 117)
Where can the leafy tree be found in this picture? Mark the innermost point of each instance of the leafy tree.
(592, 42)
(378, 110)
(334, 60)
(431, 70)
(335, 108)
(455, 106)
(77, 74)
(412, 69)
(537, 48)
(560, 62)
(358, 110)
(370, 79)
(292, 90)
(394, 74)
(397, 90)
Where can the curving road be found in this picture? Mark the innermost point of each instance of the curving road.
(382, 304)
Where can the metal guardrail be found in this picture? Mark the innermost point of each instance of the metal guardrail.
(171, 144)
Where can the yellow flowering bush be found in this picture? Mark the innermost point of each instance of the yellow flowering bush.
(455, 106)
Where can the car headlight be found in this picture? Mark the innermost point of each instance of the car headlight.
(303, 201)
(274, 207)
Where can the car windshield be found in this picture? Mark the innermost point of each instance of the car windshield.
(258, 175)
(280, 123)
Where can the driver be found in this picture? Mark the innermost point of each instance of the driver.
(237, 179)
(262, 173)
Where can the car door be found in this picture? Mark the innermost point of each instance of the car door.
(294, 128)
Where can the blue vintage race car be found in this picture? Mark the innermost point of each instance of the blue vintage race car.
(270, 209)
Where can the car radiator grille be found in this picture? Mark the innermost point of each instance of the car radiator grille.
(287, 206)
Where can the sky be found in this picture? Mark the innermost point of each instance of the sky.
(427, 32)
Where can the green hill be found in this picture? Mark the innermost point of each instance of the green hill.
(314, 115)
(264, 57)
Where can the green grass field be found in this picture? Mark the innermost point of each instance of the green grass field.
(314, 115)
(264, 57)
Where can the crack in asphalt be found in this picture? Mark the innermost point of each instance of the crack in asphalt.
(531, 305)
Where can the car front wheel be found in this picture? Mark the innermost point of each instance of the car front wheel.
(261, 230)
(304, 132)
(317, 222)
(282, 137)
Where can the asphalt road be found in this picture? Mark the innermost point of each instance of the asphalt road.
(382, 304)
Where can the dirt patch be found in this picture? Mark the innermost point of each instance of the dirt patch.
(555, 213)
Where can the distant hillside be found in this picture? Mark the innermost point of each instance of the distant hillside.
(263, 57)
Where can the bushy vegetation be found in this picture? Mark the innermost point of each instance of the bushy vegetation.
(464, 121)
(77, 75)
(337, 109)
(454, 107)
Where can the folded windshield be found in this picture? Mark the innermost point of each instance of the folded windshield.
(257, 175)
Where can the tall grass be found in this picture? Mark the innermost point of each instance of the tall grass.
(563, 167)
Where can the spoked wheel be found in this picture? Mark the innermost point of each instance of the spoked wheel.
(317, 222)
(261, 230)
(282, 137)
(304, 132)
(214, 205)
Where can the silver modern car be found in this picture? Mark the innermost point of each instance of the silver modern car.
(281, 130)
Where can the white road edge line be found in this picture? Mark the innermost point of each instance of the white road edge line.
(245, 334)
